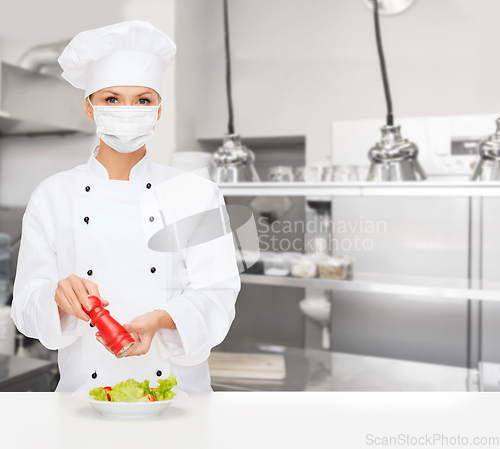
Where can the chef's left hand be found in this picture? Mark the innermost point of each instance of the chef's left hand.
(142, 329)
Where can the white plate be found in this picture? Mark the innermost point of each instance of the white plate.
(129, 409)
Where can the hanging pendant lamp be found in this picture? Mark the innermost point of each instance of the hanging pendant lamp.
(488, 167)
(393, 158)
(232, 162)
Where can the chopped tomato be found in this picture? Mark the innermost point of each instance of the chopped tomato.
(107, 390)
(151, 397)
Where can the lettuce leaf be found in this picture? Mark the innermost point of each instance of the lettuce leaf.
(165, 396)
(99, 394)
(145, 386)
(163, 391)
(128, 391)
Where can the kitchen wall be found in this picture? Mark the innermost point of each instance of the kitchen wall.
(298, 65)
(26, 161)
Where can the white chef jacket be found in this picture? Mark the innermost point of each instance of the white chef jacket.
(81, 222)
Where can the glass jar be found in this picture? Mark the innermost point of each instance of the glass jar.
(312, 174)
(299, 174)
(276, 264)
(333, 268)
(327, 174)
(352, 173)
(345, 173)
(281, 173)
(349, 267)
(304, 266)
(362, 171)
(340, 173)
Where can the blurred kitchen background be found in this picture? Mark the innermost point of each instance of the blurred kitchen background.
(403, 312)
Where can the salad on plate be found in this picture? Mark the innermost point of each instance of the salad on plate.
(133, 391)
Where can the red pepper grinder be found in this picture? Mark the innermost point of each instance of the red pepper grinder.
(112, 332)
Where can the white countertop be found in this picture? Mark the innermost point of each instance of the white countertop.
(239, 420)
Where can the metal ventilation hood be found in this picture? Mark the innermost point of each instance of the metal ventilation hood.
(34, 103)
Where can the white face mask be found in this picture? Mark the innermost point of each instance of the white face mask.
(125, 128)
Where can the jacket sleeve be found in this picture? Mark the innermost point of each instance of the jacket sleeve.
(34, 311)
(205, 309)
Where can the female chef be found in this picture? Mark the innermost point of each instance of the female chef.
(89, 231)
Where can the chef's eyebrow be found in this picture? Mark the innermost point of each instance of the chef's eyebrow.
(112, 93)
(119, 95)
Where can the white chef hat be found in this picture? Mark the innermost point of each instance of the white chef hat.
(131, 53)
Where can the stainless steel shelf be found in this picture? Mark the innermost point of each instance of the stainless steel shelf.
(430, 287)
(327, 189)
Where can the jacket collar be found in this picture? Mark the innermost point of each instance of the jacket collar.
(139, 172)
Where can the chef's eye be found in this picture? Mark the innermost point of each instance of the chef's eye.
(112, 100)
(144, 101)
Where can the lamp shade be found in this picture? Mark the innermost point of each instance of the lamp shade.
(394, 158)
(488, 167)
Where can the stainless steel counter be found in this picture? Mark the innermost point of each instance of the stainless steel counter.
(312, 370)
(489, 377)
(26, 374)
(306, 370)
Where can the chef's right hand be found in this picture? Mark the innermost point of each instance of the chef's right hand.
(72, 293)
